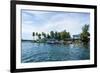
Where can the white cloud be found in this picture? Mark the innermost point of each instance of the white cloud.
(71, 22)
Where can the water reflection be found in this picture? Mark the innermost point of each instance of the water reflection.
(40, 52)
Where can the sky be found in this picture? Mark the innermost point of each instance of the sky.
(46, 21)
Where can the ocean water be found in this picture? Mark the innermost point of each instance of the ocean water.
(43, 52)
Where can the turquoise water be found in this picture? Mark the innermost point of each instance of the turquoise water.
(42, 52)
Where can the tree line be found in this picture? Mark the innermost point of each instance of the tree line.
(63, 35)
(53, 35)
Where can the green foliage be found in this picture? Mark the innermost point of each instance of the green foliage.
(48, 36)
(43, 34)
(68, 35)
(65, 35)
(36, 33)
(85, 34)
(39, 36)
(85, 28)
(57, 36)
(52, 34)
(33, 33)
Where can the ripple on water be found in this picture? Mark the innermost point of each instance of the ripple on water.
(36, 52)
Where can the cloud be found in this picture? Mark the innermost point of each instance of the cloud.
(42, 21)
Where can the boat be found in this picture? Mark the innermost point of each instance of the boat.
(52, 41)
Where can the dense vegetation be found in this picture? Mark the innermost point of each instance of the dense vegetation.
(53, 35)
(63, 35)
(85, 35)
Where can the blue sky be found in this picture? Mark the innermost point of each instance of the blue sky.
(46, 21)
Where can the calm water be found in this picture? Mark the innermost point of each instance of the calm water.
(39, 52)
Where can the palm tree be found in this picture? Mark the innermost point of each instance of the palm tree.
(33, 35)
(48, 36)
(43, 34)
(52, 34)
(39, 36)
(56, 35)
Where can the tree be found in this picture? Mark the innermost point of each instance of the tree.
(39, 36)
(43, 34)
(84, 36)
(36, 33)
(65, 35)
(56, 35)
(68, 35)
(33, 34)
(59, 36)
(52, 34)
(48, 36)
(85, 28)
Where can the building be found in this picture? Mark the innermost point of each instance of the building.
(76, 36)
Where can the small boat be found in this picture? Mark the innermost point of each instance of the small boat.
(53, 42)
